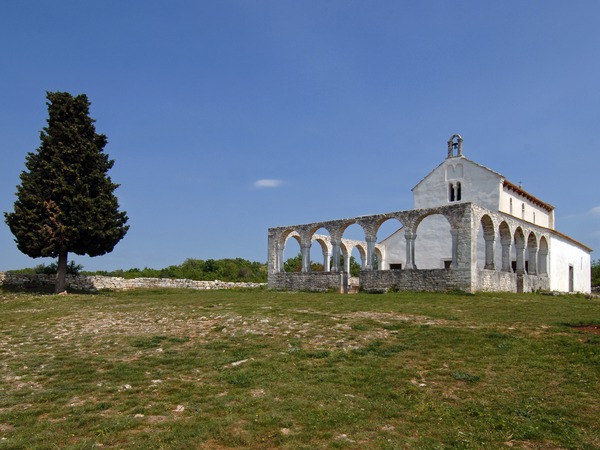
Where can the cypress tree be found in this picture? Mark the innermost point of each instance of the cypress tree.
(65, 202)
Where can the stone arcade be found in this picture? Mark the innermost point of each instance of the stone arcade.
(471, 229)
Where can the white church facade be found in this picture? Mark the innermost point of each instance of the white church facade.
(470, 229)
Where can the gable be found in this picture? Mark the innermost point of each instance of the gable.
(453, 162)
(458, 179)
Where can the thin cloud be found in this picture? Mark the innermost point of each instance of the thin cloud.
(595, 211)
(267, 183)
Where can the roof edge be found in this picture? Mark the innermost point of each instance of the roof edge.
(519, 190)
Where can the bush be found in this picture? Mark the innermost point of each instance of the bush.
(50, 269)
(236, 270)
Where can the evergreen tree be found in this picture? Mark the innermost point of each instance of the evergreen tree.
(66, 200)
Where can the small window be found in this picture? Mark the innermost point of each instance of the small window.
(510, 207)
(523, 211)
(454, 191)
(447, 263)
(396, 266)
(534, 217)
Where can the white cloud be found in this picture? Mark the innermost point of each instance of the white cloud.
(595, 211)
(267, 183)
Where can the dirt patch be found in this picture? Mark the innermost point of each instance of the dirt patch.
(595, 329)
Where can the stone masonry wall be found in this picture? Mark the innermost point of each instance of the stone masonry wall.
(533, 283)
(97, 283)
(438, 280)
(495, 281)
(308, 281)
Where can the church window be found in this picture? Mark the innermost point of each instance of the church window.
(510, 206)
(534, 217)
(455, 193)
(523, 211)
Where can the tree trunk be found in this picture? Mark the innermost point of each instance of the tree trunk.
(61, 273)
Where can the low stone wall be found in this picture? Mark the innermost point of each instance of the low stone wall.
(433, 280)
(97, 283)
(534, 283)
(496, 281)
(309, 281)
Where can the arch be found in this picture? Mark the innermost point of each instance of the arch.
(345, 253)
(391, 249)
(362, 252)
(506, 242)
(354, 233)
(320, 252)
(543, 257)
(485, 249)
(455, 142)
(286, 265)
(519, 238)
(431, 243)
(379, 258)
(348, 247)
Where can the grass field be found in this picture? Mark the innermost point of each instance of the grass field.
(260, 369)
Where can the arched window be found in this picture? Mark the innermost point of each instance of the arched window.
(454, 192)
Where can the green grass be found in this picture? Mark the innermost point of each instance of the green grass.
(172, 369)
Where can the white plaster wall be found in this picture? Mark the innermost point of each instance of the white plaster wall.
(394, 249)
(542, 217)
(434, 243)
(478, 185)
(432, 247)
(562, 254)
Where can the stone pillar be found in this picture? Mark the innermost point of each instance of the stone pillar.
(347, 263)
(371, 241)
(490, 245)
(543, 262)
(410, 250)
(280, 250)
(533, 255)
(305, 250)
(454, 263)
(506, 247)
(520, 246)
(335, 254)
(326, 261)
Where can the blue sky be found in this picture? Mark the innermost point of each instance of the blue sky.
(228, 117)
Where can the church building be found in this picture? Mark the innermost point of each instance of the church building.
(470, 229)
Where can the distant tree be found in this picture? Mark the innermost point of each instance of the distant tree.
(295, 265)
(596, 273)
(65, 202)
(52, 268)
